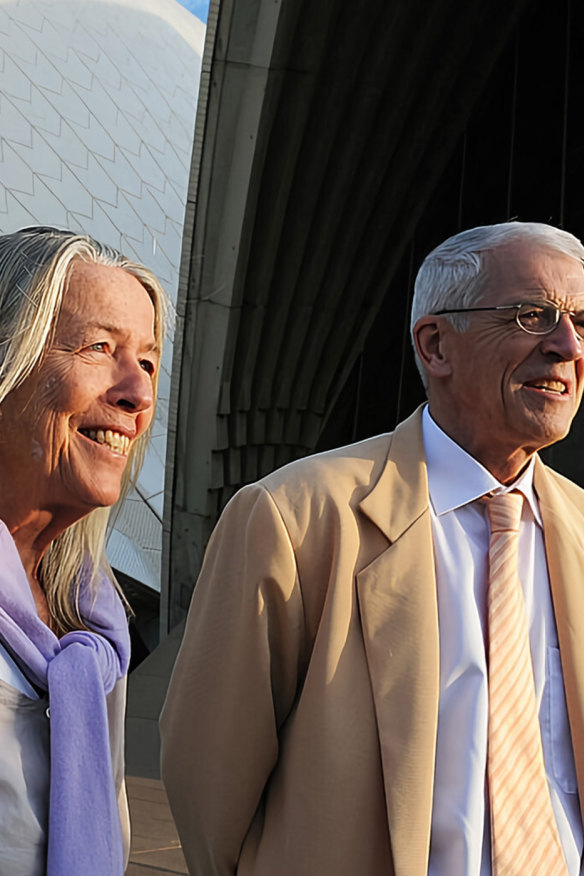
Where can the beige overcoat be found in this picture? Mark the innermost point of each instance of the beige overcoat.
(300, 726)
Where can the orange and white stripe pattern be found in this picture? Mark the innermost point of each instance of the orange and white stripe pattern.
(524, 834)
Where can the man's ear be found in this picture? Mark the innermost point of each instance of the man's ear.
(429, 336)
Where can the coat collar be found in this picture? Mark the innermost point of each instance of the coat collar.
(400, 495)
(397, 600)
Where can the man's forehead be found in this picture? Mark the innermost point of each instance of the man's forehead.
(532, 256)
(525, 266)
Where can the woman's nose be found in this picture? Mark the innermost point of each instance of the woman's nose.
(133, 390)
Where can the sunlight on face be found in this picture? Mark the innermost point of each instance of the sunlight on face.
(67, 430)
(511, 392)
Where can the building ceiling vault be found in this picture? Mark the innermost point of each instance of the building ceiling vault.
(322, 133)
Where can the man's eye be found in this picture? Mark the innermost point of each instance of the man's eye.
(99, 346)
(535, 315)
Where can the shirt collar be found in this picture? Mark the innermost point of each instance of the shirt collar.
(455, 478)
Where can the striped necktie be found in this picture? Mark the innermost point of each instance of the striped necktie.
(524, 834)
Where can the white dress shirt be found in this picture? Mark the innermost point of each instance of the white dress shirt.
(460, 842)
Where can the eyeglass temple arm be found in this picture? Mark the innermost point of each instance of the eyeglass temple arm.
(476, 309)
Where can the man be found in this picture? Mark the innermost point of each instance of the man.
(329, 710)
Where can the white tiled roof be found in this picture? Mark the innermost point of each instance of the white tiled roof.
(97, 113)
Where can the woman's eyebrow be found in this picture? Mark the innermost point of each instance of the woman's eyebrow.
(112, 329)
(103, 327)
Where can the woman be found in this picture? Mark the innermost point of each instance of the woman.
(80, 335)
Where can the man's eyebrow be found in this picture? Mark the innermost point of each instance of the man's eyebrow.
(539, 297)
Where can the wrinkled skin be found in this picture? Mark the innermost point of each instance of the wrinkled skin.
(97, 375)
(500, 393)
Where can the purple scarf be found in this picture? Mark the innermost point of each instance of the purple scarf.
(78, 670)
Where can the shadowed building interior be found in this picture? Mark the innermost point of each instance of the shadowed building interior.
(336, 143)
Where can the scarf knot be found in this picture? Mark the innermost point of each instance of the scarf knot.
(107, 658)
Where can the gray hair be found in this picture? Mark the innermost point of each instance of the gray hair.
(35, 266)
(455, 273)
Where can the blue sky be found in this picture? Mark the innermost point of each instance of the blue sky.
(197, 7)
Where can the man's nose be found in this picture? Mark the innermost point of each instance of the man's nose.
(563, 341)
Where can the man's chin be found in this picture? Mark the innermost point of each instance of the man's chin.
(549, 433)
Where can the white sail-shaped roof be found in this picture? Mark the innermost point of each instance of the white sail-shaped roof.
(97, 112)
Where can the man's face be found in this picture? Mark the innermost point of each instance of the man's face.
(512, 393)
(66, 431)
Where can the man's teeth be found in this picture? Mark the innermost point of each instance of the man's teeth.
(113, 440)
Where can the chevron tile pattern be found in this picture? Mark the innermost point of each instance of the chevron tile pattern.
(97, 113)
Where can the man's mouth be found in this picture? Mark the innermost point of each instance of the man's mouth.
(558, 387)
(110, 438)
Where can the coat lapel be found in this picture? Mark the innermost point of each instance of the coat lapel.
(564, 544)
(397, 599)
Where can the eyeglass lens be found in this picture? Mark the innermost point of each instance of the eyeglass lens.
(542, 318)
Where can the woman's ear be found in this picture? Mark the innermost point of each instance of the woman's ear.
(430, 333)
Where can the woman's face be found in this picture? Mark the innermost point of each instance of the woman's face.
(66, 431)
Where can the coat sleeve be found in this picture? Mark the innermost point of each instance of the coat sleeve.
(234, 682)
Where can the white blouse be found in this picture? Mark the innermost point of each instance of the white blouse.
(24, 776)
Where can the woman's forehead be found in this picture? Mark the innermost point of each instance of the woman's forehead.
(106, 296)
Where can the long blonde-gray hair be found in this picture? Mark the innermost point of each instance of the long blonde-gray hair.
(35, 266)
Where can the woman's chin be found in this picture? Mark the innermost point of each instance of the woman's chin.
(86, 498)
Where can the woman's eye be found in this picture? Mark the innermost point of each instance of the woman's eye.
(99, 346)
(147, 366)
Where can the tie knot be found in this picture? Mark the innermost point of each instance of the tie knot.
(504, 511)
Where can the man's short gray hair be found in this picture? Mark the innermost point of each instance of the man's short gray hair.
(455, 273)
